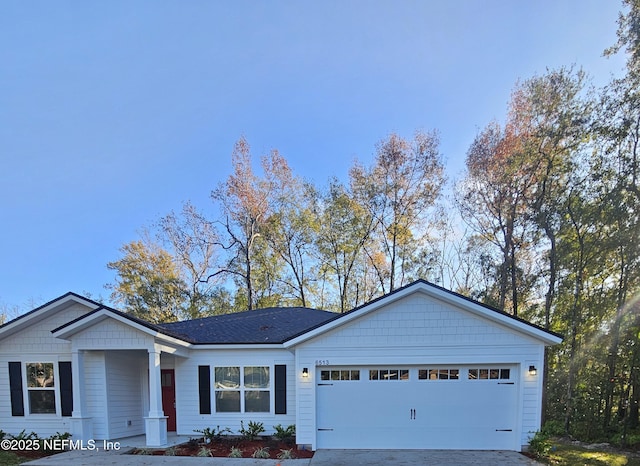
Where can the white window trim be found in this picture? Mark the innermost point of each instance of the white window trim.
(242, 389)
(26, 389)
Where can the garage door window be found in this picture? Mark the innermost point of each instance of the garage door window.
(340, 375)
(389, 374)
(489, 374)
(438, 374)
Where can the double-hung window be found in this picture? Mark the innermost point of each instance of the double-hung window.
(242, 389)
(41, 388)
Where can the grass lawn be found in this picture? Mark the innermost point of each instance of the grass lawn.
(573, 455)
(8, 458)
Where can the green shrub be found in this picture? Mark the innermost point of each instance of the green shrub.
(173, 451)
(213, 434)
(539, 444)
(553, 429)
(285, 434)
(252, 431)
(235, 453)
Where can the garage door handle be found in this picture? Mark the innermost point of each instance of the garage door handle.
(412, 413)
(506, 383)
(323, 430)
(504, 430)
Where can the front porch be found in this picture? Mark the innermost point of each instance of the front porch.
(117, 377)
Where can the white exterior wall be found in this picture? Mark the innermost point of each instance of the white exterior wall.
(187, 396)
(95, 380)
(36, 344)
(124, 394)
(418, 330)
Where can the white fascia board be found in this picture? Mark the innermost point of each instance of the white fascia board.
(38, 314)
(67, 332)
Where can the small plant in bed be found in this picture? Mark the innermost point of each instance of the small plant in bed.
(252, 430)
(285, 434)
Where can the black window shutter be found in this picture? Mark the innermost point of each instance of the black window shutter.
(281, 389)
(204, 389)
(66, 388)
(15, 387)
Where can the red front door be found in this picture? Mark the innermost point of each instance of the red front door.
(169, 397)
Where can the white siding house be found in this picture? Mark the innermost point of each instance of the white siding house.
(421, 367)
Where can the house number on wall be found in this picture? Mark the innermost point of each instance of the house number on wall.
(322, 362)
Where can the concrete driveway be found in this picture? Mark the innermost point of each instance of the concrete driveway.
(321, 458)
(419, 457)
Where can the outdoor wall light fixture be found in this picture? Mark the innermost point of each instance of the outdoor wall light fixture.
(533, 370)
(305, 372)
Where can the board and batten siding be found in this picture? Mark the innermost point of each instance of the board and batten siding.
(418, 330)
(36, 344)
(187, 388)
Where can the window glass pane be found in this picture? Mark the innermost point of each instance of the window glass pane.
(227, 401)
(256, 377)
(494, 374)
(422, 374)
(42, 402)
(324, 375)
(335, 375)
(393, 374)
(227, 377)
(256, 401)
(373, 375)
(433, 374)
(344, 375)
(355, 375)
(504, 374)
(40, 375)
(473, 373)
(443, 374)
(484, 374)
(453, 374)
(404, 374)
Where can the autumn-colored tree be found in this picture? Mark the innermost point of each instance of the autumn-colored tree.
(197, 249)
(345, 226)
(404, 182)
(494, 200)
(290, 234)
(148, 283)
(247, 200)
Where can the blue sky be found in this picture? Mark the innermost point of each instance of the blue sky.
(114, 113)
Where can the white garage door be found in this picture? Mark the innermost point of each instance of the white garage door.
(448, 407)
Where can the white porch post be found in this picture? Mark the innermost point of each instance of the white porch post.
(81, 424)
(156, 422)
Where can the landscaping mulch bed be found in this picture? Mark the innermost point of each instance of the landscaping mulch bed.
(223, 447)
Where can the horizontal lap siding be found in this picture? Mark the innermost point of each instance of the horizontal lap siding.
(187, 395)
(420, 330)
(35, 344)
(124, 393)
(96, 392)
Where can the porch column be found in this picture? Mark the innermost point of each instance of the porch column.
(81, 423)
(156, 422)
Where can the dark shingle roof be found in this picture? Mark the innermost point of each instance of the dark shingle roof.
(270, 325)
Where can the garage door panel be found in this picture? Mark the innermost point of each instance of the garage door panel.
(414, 413)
